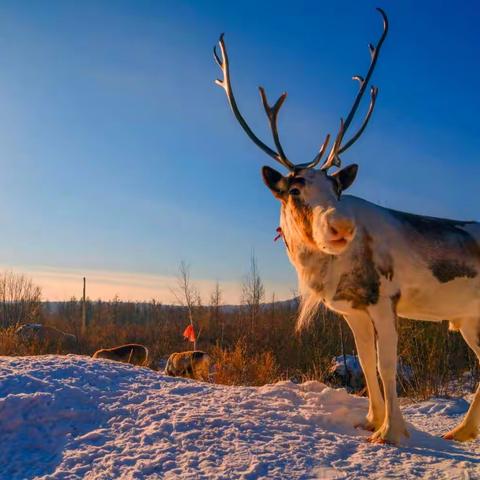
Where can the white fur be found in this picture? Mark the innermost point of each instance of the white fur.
(320, 266)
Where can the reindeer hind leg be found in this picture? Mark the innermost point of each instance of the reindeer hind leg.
(468, 427)
(130, 356)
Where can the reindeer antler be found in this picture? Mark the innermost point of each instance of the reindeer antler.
(272, 112)
(337, 148)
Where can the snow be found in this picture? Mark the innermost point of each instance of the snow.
(73, 417)
(355, 370)
(353, 365)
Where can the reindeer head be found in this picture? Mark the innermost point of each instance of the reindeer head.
(312, 210)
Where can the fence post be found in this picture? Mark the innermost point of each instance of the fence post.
(84, 308)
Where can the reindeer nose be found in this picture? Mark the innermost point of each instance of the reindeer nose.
(339, 227)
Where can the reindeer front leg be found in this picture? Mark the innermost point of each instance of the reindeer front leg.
(384, 319)
(364, 334)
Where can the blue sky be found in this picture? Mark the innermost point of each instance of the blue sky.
(119, 155)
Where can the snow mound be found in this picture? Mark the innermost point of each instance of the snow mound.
(73, 417)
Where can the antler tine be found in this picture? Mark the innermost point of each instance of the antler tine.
(333, 157)
(317, 158)
(373, 98)
(271, 112)
(374, 51)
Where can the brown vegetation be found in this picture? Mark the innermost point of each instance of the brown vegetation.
(250, 344)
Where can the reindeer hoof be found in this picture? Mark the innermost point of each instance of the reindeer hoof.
(388, 435)
(379, 440)
(462, 433)
(367, 425)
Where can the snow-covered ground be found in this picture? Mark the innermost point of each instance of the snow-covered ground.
(73, 417)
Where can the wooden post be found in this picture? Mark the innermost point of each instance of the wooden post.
(84, 308)
(342, 344)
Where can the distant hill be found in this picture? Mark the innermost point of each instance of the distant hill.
(292, 303)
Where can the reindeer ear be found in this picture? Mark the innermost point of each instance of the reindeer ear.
(275, 181)
(346, 176)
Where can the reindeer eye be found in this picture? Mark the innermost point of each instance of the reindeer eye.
(294, 191)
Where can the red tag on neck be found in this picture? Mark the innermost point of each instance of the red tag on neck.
(280, 234)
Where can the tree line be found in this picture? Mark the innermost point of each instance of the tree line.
(252, 344)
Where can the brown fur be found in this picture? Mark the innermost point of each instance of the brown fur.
(446, 270)
(194, 364)
(385, 267)
(454, 251)
(132, 353)
(361, 284)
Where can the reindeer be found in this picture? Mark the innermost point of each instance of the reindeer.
(132, 353)
(368, 263)
(194, 364)
(38, 333)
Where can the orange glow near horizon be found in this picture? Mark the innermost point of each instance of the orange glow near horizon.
(63, 284)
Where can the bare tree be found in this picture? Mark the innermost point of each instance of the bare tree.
(216, 316)
(20, 299)
(253, 292)
(187, 295)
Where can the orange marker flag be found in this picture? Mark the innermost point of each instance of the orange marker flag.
(189, 333)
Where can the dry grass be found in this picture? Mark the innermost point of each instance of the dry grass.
(12, 345)
(437, 359)
(237, 367)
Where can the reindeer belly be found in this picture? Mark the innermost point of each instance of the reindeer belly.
(457, 299)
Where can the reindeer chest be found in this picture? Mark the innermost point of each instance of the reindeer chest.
(345, 282)
(317, 273)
